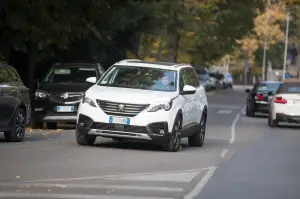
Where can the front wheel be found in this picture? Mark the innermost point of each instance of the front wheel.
(173, 144)
(85, 139)
(18, 131)
(198, 138)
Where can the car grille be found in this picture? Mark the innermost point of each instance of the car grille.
(121, 109)
(71, 97)
(125, 128)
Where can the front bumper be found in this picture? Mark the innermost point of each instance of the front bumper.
(155, 132)
(45, 111)
(280, 117)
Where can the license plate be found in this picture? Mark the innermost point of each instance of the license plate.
(119, 120)
(65, 108)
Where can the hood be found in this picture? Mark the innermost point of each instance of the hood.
(64, 87)
(127, 95)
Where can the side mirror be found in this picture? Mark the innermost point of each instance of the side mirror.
(247, 90)
(188, 90)
(91, 80)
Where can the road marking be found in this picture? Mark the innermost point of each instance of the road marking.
(243, 112)
(165, 177)
(200, 185)
(69, 196)
(232, 139)
(224, 112)
(223, 106)
(100, 186)
(224, 152)
(107, 176)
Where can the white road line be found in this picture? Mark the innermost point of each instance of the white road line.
(232, 139)
(243, 112)
(200, 185)
(224, 152)
(100, 186)
(7, 195)
(224, 112)
(107, 176)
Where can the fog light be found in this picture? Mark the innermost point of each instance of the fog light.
(161, 132)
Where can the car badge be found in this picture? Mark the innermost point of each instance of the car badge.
(65, 96)
(121, 107)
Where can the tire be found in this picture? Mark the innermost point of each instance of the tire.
(174, 143)
(271, 122)
(198, 138)
(85, 139)
(250, 112)
(51, 125)
(18, 132)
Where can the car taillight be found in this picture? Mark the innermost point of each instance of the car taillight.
(280, 100)
(259, 97)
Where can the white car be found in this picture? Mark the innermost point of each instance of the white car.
(285, 105)
(148, 101)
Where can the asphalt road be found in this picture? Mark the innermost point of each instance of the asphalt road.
(238, 153)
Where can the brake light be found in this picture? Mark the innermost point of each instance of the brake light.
(280, 100)
(259, 97)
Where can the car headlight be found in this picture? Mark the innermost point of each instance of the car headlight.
(40, 94)
(163, 106)
(88, 100)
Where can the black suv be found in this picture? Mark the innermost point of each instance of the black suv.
(14, 104)
(58, 94)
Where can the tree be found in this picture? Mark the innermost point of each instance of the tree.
(37, 27)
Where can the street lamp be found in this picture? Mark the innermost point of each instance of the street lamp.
(265, 43)
(286, 44)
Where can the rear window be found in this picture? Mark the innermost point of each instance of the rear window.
(268, 87)
(289, 88)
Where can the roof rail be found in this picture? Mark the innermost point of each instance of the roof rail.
(126, 60)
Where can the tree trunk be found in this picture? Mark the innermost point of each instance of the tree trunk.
(160, 48)
(5, 50)
(136, 44)
(173, 45)
(32, 59)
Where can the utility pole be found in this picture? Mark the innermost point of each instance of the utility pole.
(265, 43)
(286, 44)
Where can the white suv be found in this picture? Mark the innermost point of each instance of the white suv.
(148, 101)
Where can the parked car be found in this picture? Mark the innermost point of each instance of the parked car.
(58, 94)
(14, 104)
(259, 97)
(204, 81)
(285, 104)
(150, 101)
(213, 80)
(203, 77)
(227, 81)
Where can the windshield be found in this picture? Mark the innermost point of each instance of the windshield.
(140, 78)
(70, 74)
(268, 87)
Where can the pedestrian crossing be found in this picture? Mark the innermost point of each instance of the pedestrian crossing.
(165, 185)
